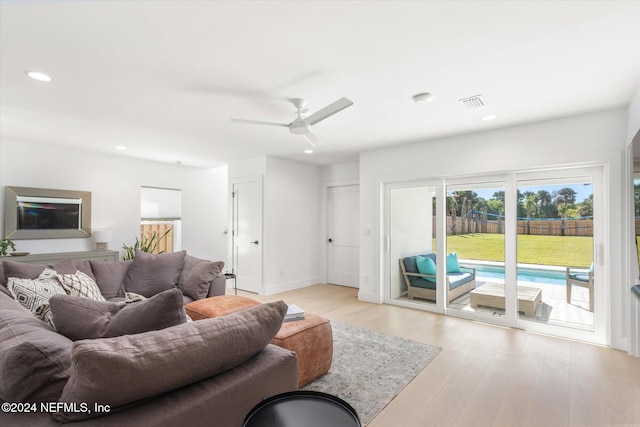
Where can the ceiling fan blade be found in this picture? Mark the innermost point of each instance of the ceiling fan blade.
(329, 110)
(312, 139)
(256, 122)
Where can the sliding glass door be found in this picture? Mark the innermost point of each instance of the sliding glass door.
(411, 239)
(475, 248)
(555, 245)
(521, 249)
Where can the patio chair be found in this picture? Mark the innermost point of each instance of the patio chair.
(583, 278)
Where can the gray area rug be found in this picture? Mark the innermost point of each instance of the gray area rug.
(370, 368)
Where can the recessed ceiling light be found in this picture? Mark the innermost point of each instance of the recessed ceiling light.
(488, 117)
(422, 98)
(308, 151)
(121, 147)
(36, 75)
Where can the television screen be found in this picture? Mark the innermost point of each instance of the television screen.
(48, 216)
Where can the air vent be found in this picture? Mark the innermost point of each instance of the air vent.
(473, 102)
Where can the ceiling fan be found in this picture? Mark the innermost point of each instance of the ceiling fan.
(302, 126)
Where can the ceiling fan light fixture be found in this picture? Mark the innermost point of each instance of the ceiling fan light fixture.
(422, 98)
(299, 128)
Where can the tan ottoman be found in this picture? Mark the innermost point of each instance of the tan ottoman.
(218, 306)
(312, 341)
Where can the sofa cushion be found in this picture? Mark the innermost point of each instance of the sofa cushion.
(80, 285)
(34, 360)
(459, 279)
(149, 364)
(197, 275)
(452, 263)
(110, 276)
(85, 267)
(150, 274)
(426, 266)
(34, 294)
(82, 318)
(23, 270)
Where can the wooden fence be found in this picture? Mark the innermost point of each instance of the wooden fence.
(545, 227)
(165, 244)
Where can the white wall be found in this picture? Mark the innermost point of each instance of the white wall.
(633, 115)
(340, 173)
(114, 182)
(597, 138)
(291, 218)
(291, 225)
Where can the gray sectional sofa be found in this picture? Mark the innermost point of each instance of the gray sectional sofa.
(110, 362)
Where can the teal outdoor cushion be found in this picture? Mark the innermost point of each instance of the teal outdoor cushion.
(426, 266)
(452, 263)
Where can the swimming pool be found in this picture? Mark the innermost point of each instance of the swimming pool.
(525, 274)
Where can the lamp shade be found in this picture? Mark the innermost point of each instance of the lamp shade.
(102, 236)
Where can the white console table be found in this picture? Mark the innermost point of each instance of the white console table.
(75, 256)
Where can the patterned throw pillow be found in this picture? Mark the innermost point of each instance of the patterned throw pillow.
(80, 285)
(34, 294)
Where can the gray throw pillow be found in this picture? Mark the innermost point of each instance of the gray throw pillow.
(110, 276)
(82, 318)
(34, 360)
(135, 367)
(21, 270)
(85, 267)
(197, 275)
(150, 274)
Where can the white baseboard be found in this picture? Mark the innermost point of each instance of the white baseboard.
(369, 297)
(290, 286)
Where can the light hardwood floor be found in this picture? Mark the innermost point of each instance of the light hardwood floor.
(488, 375)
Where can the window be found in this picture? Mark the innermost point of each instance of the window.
(161, 213)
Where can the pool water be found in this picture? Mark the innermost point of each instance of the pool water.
(524, 274)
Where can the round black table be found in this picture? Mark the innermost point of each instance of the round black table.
(302, 409)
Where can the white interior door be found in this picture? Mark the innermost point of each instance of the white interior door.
(343, 206)
(247, 235)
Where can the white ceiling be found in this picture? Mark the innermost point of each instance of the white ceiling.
(164, 78)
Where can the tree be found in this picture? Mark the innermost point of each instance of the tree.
(452, 204)
(585, 208)
(531, 205)
(545, 205)
(531, 208)
(565, 199)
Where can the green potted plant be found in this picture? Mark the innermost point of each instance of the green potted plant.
(6, 244)
(147, 244)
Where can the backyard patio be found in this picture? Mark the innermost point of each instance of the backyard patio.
(554, 308)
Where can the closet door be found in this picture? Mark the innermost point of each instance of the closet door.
(247, 234)
(343, 224)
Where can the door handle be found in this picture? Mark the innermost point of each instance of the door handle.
(255, 242)
(330, 240)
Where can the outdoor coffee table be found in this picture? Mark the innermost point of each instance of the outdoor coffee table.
(492, 295)
(302, 409)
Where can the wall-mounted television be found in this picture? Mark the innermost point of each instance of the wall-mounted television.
(40, 213)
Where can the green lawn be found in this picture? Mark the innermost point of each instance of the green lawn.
(568, 251)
